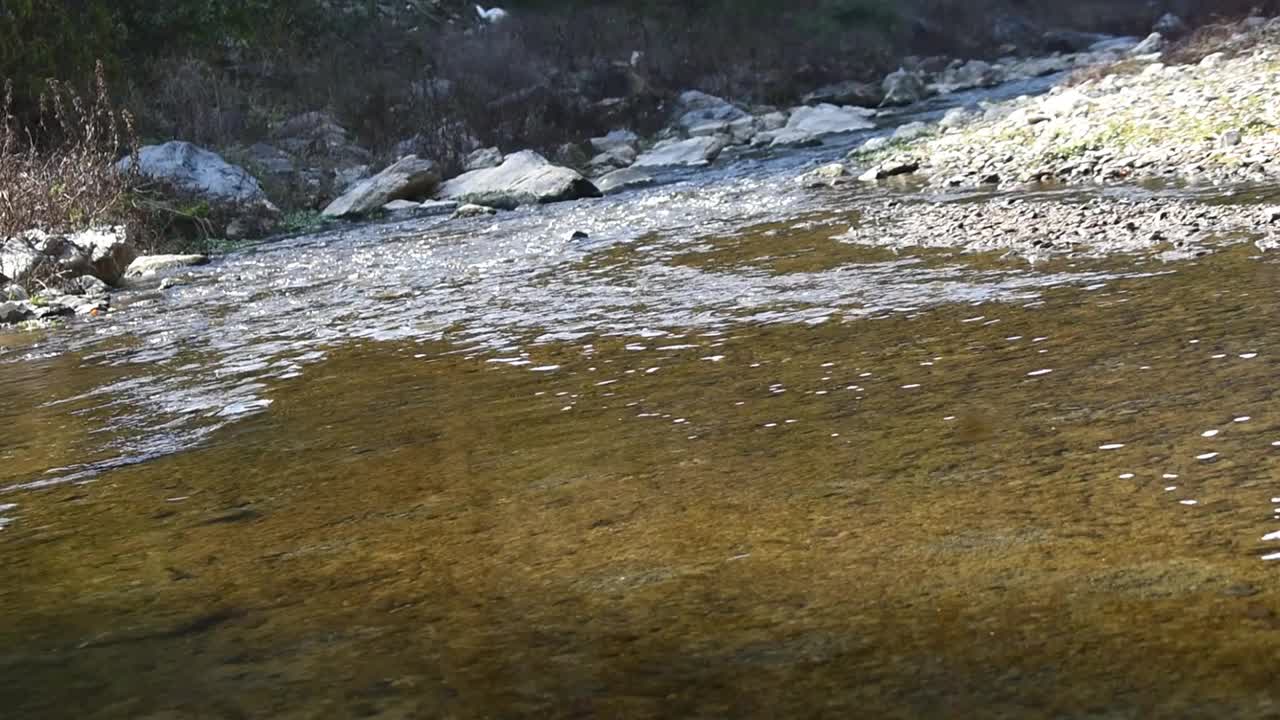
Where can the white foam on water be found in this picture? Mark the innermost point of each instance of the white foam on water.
(1111, 446)
(1038, 373)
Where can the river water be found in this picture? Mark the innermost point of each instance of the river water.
(709, 461)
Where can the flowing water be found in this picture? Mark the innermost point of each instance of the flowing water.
(708, 462)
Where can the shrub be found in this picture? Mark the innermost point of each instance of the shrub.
(60, 174)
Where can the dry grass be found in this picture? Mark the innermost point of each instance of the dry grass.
(60, 175)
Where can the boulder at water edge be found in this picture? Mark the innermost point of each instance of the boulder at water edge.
(523, 178)
(682, 153)
(38, 257)
(197, 171)
(409, 178)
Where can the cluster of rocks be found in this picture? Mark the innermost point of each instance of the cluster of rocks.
(1174, 229)
(44, 276)
(1213, 120)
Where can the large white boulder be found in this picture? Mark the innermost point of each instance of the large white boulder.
(198, 171)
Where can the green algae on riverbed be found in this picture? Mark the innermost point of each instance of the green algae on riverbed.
(902, 516)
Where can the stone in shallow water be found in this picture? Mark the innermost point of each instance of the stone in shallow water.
(149, 265)
(12, 312)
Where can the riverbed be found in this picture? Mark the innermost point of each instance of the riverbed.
(714, 459)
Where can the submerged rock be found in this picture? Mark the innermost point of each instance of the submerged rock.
(523, 178)
(410, 177)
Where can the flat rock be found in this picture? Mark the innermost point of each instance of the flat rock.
(808, 125)
(410, 177)
(682, 153)
(523, 178)
(150, 265)
(620, 180)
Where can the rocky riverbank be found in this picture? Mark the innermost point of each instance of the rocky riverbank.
(1121, 111)
(1207, 111)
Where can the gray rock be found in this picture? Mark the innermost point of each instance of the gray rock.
(620, 180)
(523, 178)
(1230, 138)
(614, 159)
(888, 169)
(903, 87)
(103, 253)
(682, 153)
(850, 92)
(828, 175)
(957, 118)
(12, 313)
(1213, 60)
(875, 144)
(614, 140)
(87, 285)
(471, 210)
(13, 293)
(197, 171)
(769, 122)
(695, 108)
(1170, 25)
(972, 74)
(410, 177)
(19, 257)
(151, 265)
(911, 131)
(1154, 43)
(807, 125)
(743, 130)
(482, 159)
(345, 177)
